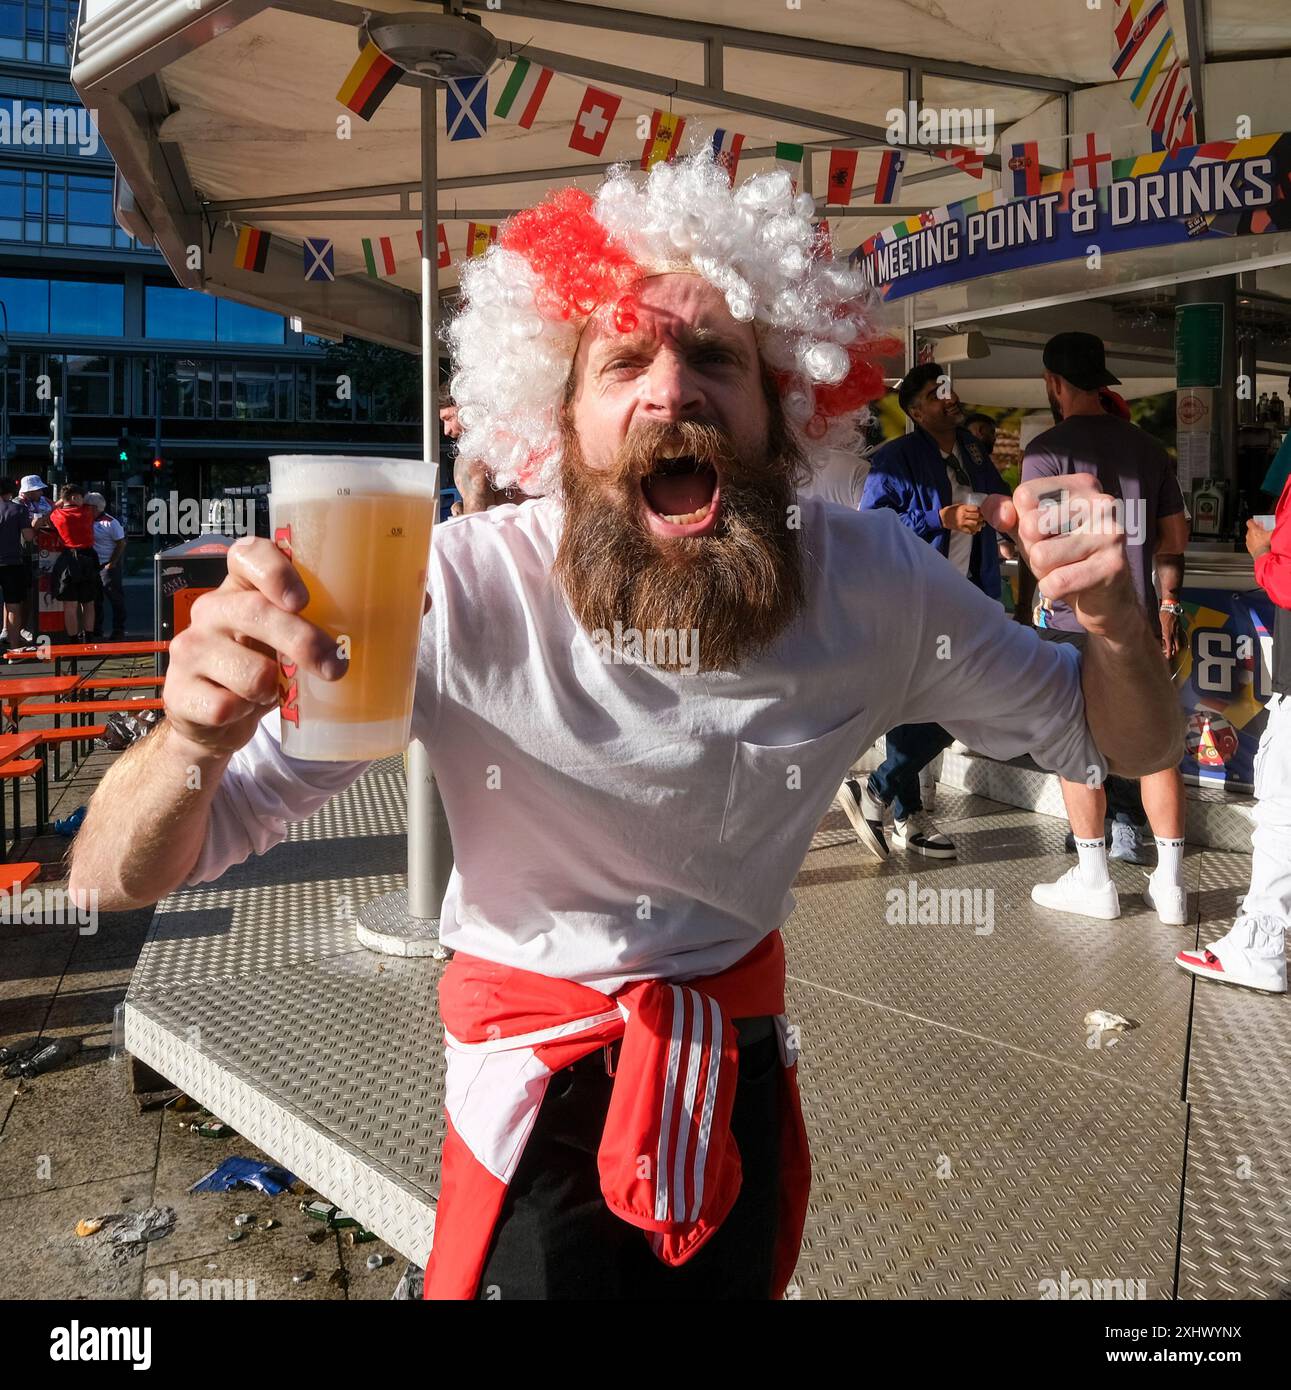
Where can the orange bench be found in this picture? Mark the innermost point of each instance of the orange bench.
(90, 707)
(78, 708)
(57, 737)
(13, 771)
(122, 683)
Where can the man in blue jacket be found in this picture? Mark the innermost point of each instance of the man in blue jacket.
(934, 479)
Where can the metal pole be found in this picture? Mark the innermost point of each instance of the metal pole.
(4, 393)
(430, 848)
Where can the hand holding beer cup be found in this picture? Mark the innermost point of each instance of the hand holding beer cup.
(223, 674)
(357, 531)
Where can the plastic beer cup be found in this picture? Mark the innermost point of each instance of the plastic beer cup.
(358, 532)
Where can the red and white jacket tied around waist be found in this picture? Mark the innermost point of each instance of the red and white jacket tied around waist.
(667, 1160)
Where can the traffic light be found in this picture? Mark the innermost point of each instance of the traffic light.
(123, 446)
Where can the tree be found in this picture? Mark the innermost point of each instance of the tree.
(389, 377)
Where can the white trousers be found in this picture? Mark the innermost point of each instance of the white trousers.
(1270, 890)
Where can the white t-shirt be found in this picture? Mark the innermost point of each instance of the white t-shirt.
(617, 822)
(839, 477)
(961, 543)
(107, 532)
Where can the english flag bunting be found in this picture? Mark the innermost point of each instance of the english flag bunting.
(252, 250)
(319, 258)
(665, 135)
(789, 158)
(727, 146)
(479, 237)
(466, 109)
(888, 183)
(524, 92)
(1085, 166)
(592, 124)
(842, 175)
(445, 260)
(372, 78)
(378, 257)
(1023, 169)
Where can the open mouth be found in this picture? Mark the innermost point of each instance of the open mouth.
(682, 496)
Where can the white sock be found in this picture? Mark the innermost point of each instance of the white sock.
(1170, 860)
(1093, 861)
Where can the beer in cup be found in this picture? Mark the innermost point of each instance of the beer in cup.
(358, 532)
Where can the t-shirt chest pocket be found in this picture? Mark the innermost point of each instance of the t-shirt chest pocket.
(776, 796)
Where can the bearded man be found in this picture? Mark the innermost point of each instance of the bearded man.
(659, 368)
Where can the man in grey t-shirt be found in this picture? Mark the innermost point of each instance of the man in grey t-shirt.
(1130, 465)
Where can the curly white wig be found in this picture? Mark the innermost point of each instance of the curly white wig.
(526, 300)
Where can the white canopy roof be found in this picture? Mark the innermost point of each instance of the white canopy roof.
(227, 115)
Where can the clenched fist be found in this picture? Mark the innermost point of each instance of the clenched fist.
(1072, 537)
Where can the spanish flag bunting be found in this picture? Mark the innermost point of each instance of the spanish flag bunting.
(372, 78)
(665, 135)
(479, 237)
(253, 250)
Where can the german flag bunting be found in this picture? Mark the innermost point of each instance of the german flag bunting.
(253, 250)
(372, 78)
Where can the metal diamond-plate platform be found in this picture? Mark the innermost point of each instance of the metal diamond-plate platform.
(971, 1137)
(1027, 978)
(947, 1167)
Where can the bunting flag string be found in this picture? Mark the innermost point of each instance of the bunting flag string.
(1144, 52)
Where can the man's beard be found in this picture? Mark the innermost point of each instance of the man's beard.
(735, 589)
(1056, 407)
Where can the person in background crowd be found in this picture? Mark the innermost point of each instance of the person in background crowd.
(934, 479)
(15, 572)
(110, 547)
(982, 428)
(76, 571)
(1253, 951)
(32, 494)
(1131, 466)
(470, 477)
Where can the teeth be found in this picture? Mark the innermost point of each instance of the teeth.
(691, 517)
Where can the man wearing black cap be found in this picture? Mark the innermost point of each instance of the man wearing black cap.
(1131, 466)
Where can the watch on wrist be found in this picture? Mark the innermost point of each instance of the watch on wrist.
(1175, 608)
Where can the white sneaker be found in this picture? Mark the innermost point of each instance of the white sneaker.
(1168, 900)
(919, 834)
(865, 811)
(1071, 893)
(1253, 953)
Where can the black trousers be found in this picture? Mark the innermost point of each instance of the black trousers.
(556, 1238)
